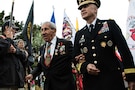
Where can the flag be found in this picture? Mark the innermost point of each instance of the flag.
(53, 17)
(77, 27)
(68, 30)
(27, 30)
(130, 27)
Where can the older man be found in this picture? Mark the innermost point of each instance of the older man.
(56, 58)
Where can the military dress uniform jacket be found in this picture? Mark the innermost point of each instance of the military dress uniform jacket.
(98, 47)
(59, 74)
(11, 65)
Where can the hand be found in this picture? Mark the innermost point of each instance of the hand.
(12, 49)
(80, 58)
(123, 75)
(131, 85)
(91, 69)
(29, 78)
(9, 33)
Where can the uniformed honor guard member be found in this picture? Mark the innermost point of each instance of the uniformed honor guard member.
(97, 41)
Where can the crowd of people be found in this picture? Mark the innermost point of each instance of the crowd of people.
(91, 61)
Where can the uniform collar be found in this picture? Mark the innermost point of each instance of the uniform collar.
(94, 22)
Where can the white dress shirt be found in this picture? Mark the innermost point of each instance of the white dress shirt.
(53, 44)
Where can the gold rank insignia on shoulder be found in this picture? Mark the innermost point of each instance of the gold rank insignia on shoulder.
(103, 44)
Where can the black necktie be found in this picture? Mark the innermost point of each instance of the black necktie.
(91, 27)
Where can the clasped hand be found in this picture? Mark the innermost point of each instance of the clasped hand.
(80, 58)
(91, 69)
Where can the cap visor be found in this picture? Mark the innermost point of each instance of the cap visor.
(86, 2)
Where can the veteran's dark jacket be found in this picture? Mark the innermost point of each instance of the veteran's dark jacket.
(11, 65)
(59, 74)
(98, 47)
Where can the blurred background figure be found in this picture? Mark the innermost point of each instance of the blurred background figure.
(12, 61)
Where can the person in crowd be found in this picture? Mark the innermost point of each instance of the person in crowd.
(11, 60)
(55, 62)
(21, 44)
(95, 44)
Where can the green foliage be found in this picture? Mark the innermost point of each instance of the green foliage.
(37, 40)
(7, 18)
(1, 17)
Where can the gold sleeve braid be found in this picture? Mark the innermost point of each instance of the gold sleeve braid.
(129, 70)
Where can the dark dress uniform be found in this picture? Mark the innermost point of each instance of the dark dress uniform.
(98, 47)
(59, 74)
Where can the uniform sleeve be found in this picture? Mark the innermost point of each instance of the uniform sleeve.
(127, 59)
(38, 69)
(4, 46)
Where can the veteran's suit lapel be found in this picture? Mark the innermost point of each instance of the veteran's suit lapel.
(55, 54)
(42, 55)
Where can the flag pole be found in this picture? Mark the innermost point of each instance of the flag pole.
(53, 7)
(77, 26)
(11, 15)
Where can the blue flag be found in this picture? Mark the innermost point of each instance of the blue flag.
(27, 31)
(53, 18)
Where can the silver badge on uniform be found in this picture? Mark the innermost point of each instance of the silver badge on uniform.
(109, 43)
(82, 40)
(85, 49)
